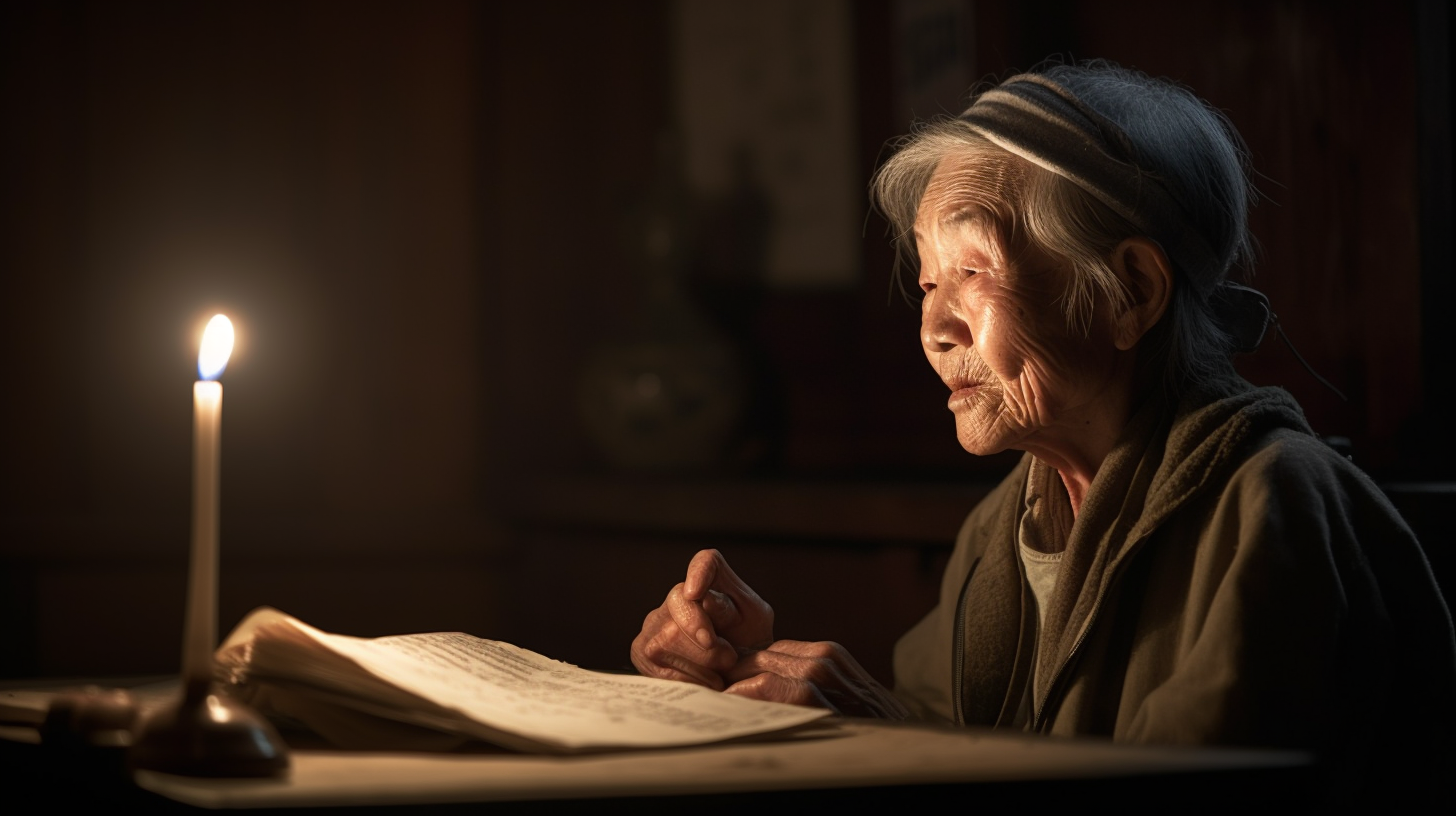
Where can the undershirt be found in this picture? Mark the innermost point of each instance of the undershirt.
(1041, 539)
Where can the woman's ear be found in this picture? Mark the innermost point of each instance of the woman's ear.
(1143, 268)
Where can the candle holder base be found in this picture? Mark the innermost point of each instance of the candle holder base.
(209, 734)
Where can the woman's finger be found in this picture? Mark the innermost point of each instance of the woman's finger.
(691, 618)
(702, 573)
(774, 688)
(662, 650)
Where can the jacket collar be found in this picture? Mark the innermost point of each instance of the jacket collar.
(1162, 460)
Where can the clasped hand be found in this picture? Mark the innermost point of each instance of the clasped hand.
(714, 630)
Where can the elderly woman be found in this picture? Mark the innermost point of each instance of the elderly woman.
(1177, 558)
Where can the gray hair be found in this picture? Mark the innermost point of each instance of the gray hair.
(1078, 158)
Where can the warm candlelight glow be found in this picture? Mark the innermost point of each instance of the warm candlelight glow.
(217, 346)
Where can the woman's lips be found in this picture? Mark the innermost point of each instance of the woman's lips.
(961, 392)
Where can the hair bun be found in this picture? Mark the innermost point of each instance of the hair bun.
(1243, 313)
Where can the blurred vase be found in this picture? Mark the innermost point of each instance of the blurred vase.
(668, 395)
(662, 406)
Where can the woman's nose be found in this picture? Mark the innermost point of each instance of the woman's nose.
(942, 328)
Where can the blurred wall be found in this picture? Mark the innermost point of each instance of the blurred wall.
(426, 219)
(308, 169)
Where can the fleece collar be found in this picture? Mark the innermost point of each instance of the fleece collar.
(1208, 433)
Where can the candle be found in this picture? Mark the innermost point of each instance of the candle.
(202, 733)
(200, 635)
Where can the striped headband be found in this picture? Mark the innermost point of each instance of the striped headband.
(1042, 122)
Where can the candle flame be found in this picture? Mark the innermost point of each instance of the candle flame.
(217, 346)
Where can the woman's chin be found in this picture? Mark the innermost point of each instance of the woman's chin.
(983, 446)
(986, 429)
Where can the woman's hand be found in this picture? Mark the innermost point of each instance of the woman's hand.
(714, 630)
(702, 625)
(822, 675)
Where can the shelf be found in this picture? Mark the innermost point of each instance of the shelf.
(851, 512)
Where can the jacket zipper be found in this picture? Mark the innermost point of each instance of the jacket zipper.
(958, 649)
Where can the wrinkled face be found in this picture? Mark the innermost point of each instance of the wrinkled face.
(993, 329)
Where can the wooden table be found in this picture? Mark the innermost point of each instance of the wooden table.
(839, 762)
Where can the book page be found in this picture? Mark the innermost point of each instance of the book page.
(512, 689)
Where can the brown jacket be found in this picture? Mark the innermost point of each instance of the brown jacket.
(1230, 580)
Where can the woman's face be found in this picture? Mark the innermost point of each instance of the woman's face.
(994, 330)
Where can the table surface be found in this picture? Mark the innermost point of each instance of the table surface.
(851, 757)
(837, 754)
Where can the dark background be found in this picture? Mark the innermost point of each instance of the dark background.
(420, 215)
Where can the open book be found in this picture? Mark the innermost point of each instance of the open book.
(436, 691)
